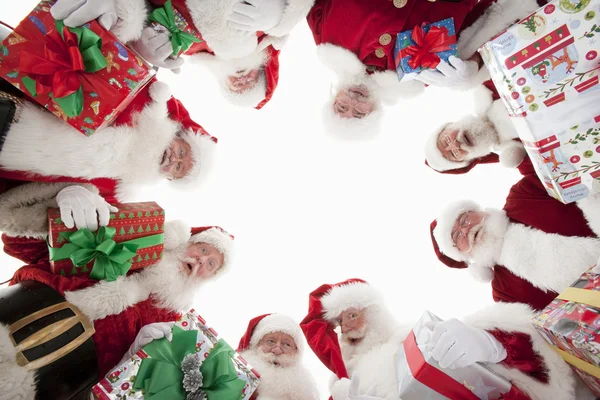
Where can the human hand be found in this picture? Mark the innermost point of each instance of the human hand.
(83, 209)
(148, 334)
(156, 48)
(456, 74)
(75, 13)
(256, 15)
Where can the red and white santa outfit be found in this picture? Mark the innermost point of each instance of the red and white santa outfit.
(545, 242)
(357, 38)
(533, 368)
(118, 310)
(508, 151)
(226, 50)
(290, 382)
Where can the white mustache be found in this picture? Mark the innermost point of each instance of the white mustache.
(473, 231)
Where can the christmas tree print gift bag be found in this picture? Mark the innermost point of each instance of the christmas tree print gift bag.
(196, 364)
(84, 75)
(421, 378)
(570, 326)
(132, 240)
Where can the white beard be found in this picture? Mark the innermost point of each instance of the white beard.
(487, 251)
(43, 144)
(292, 382)
(168, 285)
(481, 132)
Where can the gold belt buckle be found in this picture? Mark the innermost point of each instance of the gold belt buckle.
(50, 332)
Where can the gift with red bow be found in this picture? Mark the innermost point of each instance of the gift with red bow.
(82, 75)
(424, 47)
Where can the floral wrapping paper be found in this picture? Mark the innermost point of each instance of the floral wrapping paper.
(133, 221)
(105, 93)
(546, 70)
(118, 383)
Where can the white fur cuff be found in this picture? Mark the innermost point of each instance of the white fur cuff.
(132, 19)
(294, 12)
(176, 234)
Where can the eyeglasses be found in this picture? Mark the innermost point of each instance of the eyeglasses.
(460, 238)
(455, 153)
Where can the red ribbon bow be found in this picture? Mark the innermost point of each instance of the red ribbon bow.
(422, 53)
(58, 71)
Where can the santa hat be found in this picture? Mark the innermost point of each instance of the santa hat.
(270, 323)
(325, 305)
(203, 146)
(217, 237)
(385, 88)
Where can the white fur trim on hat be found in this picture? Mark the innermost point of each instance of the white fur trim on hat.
(355, 294)
(293, 13)
(434, 156)
(445, 221)
(203, 157)
(16, 382)
(342, 61)
(220, 240)
(278, 323)
(483, 274)
(132, 16)
(176, 233)
(512, 153)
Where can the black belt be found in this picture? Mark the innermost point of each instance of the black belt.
(10, 108)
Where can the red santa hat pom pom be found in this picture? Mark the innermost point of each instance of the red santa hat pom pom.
(270, 323)
(217, 237)
(512, 154)
(354, 293)
(481, 273)
(202, 144)
(442, 232)
(434, 157)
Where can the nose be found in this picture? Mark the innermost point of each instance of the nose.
(465, 229)
(277, 350)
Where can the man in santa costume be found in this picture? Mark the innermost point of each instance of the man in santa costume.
(118, 310)
(154, 139)
(273, 344)
(500, 336)
(239, 41)
(356, 39)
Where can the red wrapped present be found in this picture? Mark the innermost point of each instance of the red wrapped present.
(570, 325)
(132, 240)
(82, 75)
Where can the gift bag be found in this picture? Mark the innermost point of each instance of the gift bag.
(196, 362)
(421, 378)
(132, 240)
(82, 75)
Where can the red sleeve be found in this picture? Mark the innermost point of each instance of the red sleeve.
(29, 251)
(476, 12)
(315, 19)
(520, 354)
(41, 273)
(515, 394)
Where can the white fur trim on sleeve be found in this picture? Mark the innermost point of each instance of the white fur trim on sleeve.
(132, 20)
(340, 388)
(342, 61)
(445, 221)
(356, 294)
(176, 233)
(294, 12)
(17, 382)
(278, 323)
(498, 17)
(516, 317)
(498, 115)
(590, 206)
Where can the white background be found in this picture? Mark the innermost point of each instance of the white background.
(307, 209)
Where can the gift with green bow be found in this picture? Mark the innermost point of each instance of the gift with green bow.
(83, 75)
(195, 365)
(181, 32)
(132, 240)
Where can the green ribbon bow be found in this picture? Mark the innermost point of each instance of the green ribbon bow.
(111, 259)
(69, 53)
(180, 40)
(160, 377)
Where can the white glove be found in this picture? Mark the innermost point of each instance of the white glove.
(353, 393)
(596, 269)
(457, 75)
(256, 15)
(453, 344)
(83, 209)
(148, 334)
(78, 12)
(156, 48)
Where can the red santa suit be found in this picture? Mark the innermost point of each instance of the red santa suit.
(532, 216)
(118, 310)
(291, 382)
(533, 368)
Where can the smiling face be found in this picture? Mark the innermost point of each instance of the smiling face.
(202, 261)
(466, 139)
(468, 231)
(242, 80)
(177, 160)
(353, 101)
(277, 348)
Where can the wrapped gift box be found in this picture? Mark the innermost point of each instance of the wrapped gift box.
(570, 325)
(169, 20)
(84, 75)
(121, 383)
(137, 229)
(421, 378)
(546, 71)
(423, 47)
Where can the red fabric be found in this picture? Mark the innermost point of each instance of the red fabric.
(178, 112)
(510, 288)
(29, 251)
(521, 355)
(271, 74)
(247, 338)
(441, 256)
(115, 333)
(319, 333)
(423, 53)
(514, 394)
(357, 25)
